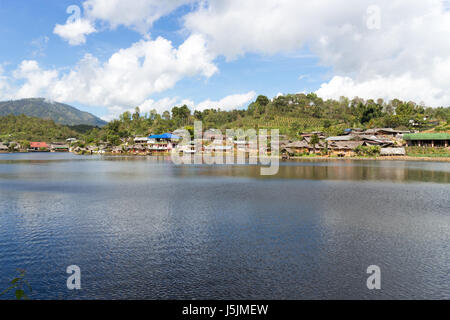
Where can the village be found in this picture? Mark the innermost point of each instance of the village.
(379, 142)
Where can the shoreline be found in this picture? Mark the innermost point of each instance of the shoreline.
(381, 158)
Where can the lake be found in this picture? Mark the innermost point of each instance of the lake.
(144, 228)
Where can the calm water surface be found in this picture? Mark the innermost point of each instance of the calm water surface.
(142, 228)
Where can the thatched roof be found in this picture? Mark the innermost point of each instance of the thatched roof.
(341, 138)
(346, 145)
(393, 151)
(297, 144)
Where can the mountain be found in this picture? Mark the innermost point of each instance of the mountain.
(42, 108)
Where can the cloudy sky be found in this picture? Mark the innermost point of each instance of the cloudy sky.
(107, 56)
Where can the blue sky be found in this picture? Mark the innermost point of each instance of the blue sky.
(220, 53)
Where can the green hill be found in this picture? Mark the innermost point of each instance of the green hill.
(58, 112)
(20, 128)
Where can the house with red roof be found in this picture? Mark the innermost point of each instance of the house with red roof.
(38, 146)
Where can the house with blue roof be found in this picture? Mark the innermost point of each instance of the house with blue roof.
(161, 143)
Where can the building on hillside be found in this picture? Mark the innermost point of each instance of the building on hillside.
(297, 147)
(218, 148)
(58, 147)
(141, 140)
(433, 140)
(387, 132)
(163, 142)
(188, 149)
(3, 148)
(138, 149)
(321, 135)
(353, 131)
(38, 146)
(377, 141)
(344, 148)
(370, 140)
(341, 138)
(117, 150)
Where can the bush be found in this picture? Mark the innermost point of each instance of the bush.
(368, 151)
(427, 151)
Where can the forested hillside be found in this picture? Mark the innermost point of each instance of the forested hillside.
(16, 128)
(291, 114)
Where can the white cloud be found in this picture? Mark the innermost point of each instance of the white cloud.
(159, 105)
(75, 32)
(403, 87)
(136, 14)
(5, 90)
(228, 103)
(408, 42)
(37, 80)
(40, 44)
(166, 104)
(127, 79)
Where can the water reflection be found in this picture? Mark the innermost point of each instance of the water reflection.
(143, 228)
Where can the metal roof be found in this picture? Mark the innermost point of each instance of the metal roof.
(427, 136)
(164, 136)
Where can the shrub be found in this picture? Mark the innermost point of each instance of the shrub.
(368, 151)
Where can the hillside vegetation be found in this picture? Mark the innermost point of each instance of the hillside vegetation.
(23, 128)
(292, 114)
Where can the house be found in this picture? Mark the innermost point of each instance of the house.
(137, 149)
(141, 140)
(38, 146)
(344, 148)
(188, 149)
(3, 148)
(341, 138)
(218, 148)
(297, 147)
(58, 147)
(433, 140)
(353, 131)
(117, 150)
(321, 135)
(370, 140)
(388, 132)
(377, 141)
(163, 142)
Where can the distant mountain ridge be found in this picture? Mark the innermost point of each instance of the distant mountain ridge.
(58, 112)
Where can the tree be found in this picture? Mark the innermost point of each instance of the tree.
(314, 141)
(136, 114)
(295, 128)
(25, 144)
(12, 147)
(166, 115)
(262, 100)
(327, 124)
